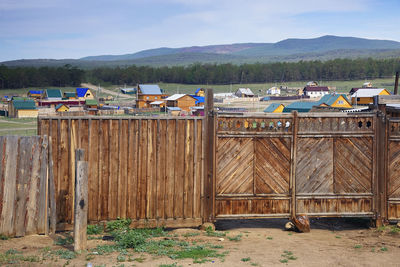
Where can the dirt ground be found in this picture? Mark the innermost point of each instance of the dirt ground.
(331, 242)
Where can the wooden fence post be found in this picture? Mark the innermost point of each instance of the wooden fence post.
(52, 212)
(209, 137)
(80, 201)
(293, 154)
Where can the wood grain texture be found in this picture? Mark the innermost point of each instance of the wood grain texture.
(314, 171)
(394, 170)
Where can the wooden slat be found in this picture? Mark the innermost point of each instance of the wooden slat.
(93, 178)
(161, 167)
(142, 160)
(394, 170)
(105, 171)
(123, 170)
(170, 168)
(179, 169)
(7, 217)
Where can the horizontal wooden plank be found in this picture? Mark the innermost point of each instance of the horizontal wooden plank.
(388, 99)
(334, 206)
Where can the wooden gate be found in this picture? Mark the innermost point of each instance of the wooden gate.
(281, 165)
(393, 169)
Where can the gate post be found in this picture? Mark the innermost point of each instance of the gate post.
(209, 159)
(381, 162)
(295, 125)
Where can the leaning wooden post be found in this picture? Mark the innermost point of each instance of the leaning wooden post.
(209, 138)
(80, 201)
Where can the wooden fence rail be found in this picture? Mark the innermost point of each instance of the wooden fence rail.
(25, 182)
(146, 169)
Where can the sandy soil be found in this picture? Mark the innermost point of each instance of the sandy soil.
(331, 242)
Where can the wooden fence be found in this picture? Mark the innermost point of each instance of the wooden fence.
(146, 169)
(26, 186)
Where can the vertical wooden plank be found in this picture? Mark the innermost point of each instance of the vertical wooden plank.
(36, 209)
(198, 167)
(123, 152)
(142, 165)
(114, 172)
(9, 196)
(189, 152)
(67, 142)
(133, 168)
(105, 161)
(170, 170)
(80, 202)
(293, 162)
(52, 213)
(119, 191)
(24, 168)
(153, 164)
(150, 166)
(179, 169)
(161, 167)
(209, 161)
(91, 170)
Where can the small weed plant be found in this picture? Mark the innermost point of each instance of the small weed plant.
(95, 229)
(235, 238)
(287, 256)
(211, 232)
(245, 259)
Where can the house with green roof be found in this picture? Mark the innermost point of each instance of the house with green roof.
(91, 103)
(274, 108)
(52, 94)
(69, 95)
(334, 101)
(22, 109)
(299, 106)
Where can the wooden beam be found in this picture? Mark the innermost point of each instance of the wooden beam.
(81, 201)
(388, 99)
(209, 138)
(293, 163)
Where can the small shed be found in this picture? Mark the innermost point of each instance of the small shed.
(366, 96)
(84, 93)
(274, 91)
(62, 108)
(244, 92)
(182, 101)
(274, 108)
(91, 103)
(52, 94)
(22, 109)
(174, 111)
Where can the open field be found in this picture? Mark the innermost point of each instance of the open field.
(331, 242)
(13, 126)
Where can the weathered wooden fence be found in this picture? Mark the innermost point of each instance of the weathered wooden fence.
(26, 196)
(146, 169)
(393, 168)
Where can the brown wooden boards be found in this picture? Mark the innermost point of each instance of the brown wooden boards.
(146, 169)
(393, 168)
(24, 183)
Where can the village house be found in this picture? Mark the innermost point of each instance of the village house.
(366, 85)
(148, 93)
(69, 95)
(62, 108)
(315, 91)
(36, 94)
(182, 101)
(274, 108)
(52, 94)
(244, 92)
(84, 93)
(91, 103)
(366, 96)
(200, 92)
(25, 108)
(274, 91)
(335, 101)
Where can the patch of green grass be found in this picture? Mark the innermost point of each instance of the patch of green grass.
(245, 259)
(4, 237)
(395, 230)
(107, 249)
(358, 246)
(287, 255)
(119, 224)
(95, 229)
(384, 249)
(211, 232)
(65, 254)
(121, 258)
(13, 256)
(338, 237)
(68, 240)
(270, 237)
(169, 265)
(190, 234)
(254, 264)
(216, 246)
(235, 238)
(141, 259)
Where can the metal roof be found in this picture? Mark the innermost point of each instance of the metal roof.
(245, 91)
(367, 92)
(174, 108)
(81, 92)
(53, 93)
(331, 98)
(272, 107)
(149, 89)
(156, 102)
(316, 89)
(91, 102)
(60, 105)
(70, 94)
(35, 92)
(300, 106)
(24, 104)
(175, 97)
(199, 99)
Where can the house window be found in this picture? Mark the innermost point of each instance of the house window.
(340, 102)
(155, 97)
(147, 97)
(358, 99)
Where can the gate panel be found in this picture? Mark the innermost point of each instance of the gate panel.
(314, 172)
(235, 158)
(272, 165)
(394, 170)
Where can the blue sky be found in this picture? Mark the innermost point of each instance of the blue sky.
(77, 28)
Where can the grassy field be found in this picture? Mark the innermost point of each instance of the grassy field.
(11, 126)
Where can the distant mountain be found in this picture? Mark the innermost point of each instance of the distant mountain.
(321, 48)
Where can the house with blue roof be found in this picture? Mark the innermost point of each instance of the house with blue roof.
(35, 94)
(84, 93)
(148, 93)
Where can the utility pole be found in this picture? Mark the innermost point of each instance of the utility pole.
(396, 83)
